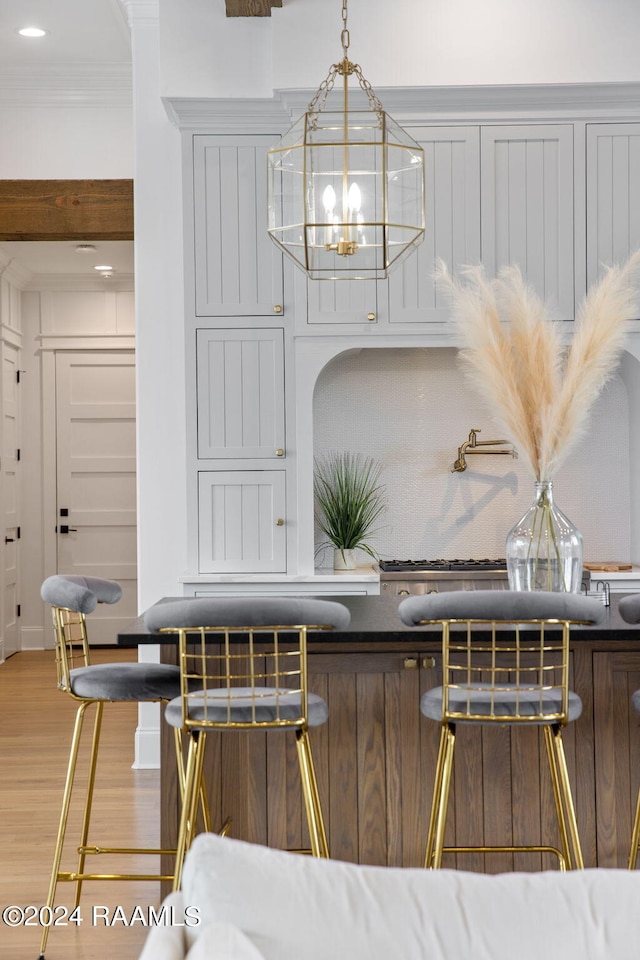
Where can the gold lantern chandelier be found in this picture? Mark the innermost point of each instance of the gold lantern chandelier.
(346, 186)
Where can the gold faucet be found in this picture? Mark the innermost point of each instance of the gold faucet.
(471, 446)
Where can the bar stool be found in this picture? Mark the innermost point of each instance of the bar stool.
(505, 660)
(243, 666)
(71, 599)
(629, 608)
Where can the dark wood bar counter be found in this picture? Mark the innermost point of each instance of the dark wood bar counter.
(376, 755)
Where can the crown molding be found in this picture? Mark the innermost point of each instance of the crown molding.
(227, 116)
(417, 105)
(77, 84)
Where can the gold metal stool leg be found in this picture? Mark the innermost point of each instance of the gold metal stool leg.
(319, 845)
(193, 780)
(635, 837)
(557, 796)
(443, 795)
(437, 787)
(91, 779)
(64, 816)
(577, 862)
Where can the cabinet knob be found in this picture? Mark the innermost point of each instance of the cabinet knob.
(279, 522)
(429, 663)
(410, 663)
(277, 308)
(371, 316)
(279, 452)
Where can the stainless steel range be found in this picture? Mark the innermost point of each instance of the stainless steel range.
(404, 577)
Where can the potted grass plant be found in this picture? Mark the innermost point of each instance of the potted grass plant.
(541, 392)
(349, 500)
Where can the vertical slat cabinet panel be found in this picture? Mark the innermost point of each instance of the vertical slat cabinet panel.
(238, 269)
(613, 194)
(242, 527)
(528, 207)
(452, 228)
(342, 301)
(617, 753)
(240, 393)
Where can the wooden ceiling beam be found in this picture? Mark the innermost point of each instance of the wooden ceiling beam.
(251, 8)
(66, 210)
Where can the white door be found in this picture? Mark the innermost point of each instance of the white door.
(96, 477)
(9, 489)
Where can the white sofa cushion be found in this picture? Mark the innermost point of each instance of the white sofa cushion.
(292, 906)
(169, 940)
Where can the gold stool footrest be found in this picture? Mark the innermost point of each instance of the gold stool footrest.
(73, 877)
(145, 850)
(542, 848)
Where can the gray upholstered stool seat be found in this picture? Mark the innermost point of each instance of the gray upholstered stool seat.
(125, 681)
(629, 609)
(246, 706)
(243, 665)
(483, 699)
(505, 661)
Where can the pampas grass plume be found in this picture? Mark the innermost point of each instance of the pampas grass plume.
(513, 354)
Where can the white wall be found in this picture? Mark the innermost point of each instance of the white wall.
(411, 43)
(65, 143)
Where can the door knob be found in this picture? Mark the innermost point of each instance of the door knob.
(279, 522)
(8, 539)
(64, 528)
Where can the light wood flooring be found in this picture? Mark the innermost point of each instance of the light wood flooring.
(36, 722)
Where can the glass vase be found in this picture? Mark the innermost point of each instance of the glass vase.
(544, 549)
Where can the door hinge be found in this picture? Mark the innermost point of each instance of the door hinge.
(18, 372)
(18, 610)
(17, 533)
(18, 454)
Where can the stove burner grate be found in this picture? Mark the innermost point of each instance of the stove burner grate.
(402, 566)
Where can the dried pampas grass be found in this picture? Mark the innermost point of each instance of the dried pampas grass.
(512, 352)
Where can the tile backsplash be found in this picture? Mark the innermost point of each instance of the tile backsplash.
(411, 409)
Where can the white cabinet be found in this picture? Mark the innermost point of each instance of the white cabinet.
(613, 194)
(240, 393)
(242, 522)
(527, 175)
(238, 269)
(452, 226)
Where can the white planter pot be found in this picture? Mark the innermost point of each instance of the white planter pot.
(344, 559)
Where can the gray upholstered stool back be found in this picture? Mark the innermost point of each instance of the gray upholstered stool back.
(71, 598)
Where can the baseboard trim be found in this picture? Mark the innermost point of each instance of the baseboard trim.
(32, 638)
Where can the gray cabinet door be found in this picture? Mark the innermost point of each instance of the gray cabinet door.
(340, 302)
(240, 393)
(613, 194)
(242, 521)
(452, 228)
(238, 268)
(528, 206)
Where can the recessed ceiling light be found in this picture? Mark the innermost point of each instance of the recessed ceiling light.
(103, 267)
(85, 248)
(32, 32)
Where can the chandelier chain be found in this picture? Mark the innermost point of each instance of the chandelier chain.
(320, 98)
(345, 38)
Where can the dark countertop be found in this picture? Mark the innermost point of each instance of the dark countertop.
(375, 623)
